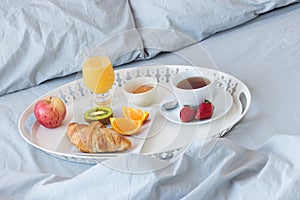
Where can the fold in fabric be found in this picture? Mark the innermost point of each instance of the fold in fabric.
(227, 171)
(44, 40)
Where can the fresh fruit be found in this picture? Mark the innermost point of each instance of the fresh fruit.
(101, 114)
(135, 114)
(187, 113)
(50, 111)
(205, 110)
(125, 126)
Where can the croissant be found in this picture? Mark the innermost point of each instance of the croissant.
(95, 137)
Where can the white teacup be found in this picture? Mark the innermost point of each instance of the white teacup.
(192, 87)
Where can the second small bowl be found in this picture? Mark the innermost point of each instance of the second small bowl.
(140, 91)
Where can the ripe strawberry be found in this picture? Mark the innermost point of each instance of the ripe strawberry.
(187, 113)
(205, 110)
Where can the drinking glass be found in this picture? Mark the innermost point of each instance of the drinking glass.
(98, 75)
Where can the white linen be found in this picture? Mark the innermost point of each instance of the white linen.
(168, 25)
(227, 171)
(258, 159)
(42, 40)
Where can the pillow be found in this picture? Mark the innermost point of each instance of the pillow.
(168, 25)
(41, 40)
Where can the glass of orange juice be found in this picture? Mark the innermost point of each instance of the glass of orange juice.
(98, 75)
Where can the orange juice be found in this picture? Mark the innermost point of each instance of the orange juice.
(98, 74)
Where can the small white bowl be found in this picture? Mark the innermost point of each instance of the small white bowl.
(144, 98)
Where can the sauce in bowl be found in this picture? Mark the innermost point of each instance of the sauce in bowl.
(142, 89)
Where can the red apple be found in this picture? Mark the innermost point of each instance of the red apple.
(50, 111)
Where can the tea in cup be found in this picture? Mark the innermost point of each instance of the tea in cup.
(192, 87)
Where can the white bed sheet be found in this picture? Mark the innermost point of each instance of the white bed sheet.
(264, 54)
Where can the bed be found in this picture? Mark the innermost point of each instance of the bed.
(253, 43)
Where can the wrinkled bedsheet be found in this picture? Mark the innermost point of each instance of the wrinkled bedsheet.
(257, 159)
(228, 171)
(44, 40)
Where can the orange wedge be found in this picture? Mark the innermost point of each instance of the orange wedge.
(125, 126)
(135, 114)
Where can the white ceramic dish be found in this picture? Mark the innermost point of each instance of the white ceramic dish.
(222, 104)
(141, 99)
(164, 138)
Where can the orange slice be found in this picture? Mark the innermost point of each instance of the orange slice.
(135, 114)
(125, 126)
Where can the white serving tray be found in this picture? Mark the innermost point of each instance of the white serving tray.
(160, 138)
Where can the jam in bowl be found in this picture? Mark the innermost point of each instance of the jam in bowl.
(140, 91)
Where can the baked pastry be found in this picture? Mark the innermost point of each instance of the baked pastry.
(95, 137)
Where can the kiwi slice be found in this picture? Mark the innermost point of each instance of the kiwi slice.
(101, 114)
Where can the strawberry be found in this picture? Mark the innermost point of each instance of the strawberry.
(187, 113)
(205, 110)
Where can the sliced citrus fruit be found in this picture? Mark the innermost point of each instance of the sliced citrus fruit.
(125, 126)
(135, 114)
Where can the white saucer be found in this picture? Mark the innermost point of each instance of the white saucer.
(222, 102)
